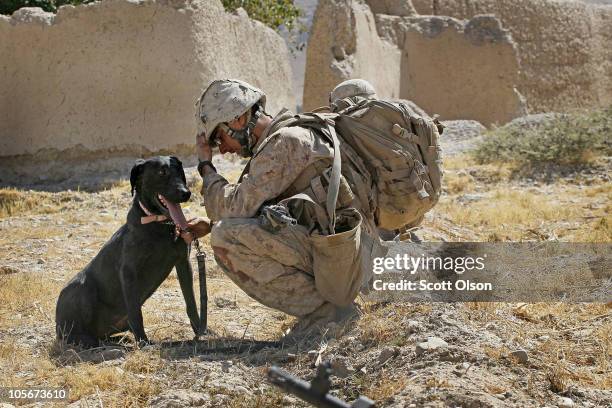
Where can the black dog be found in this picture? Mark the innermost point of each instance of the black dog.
(106, 297)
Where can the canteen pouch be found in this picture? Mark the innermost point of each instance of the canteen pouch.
(337, 259)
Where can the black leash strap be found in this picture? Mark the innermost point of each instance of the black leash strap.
(201, 258)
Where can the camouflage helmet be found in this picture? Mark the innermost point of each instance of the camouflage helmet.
(223, 101)
(350, 88)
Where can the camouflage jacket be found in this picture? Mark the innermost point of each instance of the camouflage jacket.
(276, 165)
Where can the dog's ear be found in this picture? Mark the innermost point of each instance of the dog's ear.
(180, 164)
(135, 173)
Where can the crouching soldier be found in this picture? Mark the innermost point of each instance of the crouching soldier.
(291, 232)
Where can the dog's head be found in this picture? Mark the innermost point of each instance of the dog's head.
(160, 182)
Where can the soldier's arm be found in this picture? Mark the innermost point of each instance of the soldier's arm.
(271, 172)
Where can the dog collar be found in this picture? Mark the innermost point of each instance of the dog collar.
(150, 217)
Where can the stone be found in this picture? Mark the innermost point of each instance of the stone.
(470, 198)
(179, 399)
(8, 270)
(225, 366)
(386, 354)
(341, 368)
(565, 402)
(431, 344)
(543, 338)
(521, 355)
(222, 302)
(414, 326)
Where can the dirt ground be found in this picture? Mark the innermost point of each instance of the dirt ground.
(400, 355)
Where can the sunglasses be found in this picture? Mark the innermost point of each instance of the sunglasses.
(215, 137)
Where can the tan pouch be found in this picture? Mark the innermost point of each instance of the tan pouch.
(336, 259)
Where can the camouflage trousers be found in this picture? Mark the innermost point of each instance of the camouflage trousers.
(274, 268)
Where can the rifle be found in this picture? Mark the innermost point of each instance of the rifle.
(315, 392)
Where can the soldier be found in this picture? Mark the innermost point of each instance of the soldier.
(273, 266)
(349, 89)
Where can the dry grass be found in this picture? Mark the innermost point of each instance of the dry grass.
(383, 385)
(566, 212)
(13, 202)
(558, 210)
(379, 326)
(26, 296)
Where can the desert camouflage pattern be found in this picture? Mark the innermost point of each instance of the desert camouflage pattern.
(271, 172)
(223, 101)
(351, 88)
(273, 267)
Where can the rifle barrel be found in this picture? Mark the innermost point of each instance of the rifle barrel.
(303, 389)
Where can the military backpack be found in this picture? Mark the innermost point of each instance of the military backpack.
(401, 152)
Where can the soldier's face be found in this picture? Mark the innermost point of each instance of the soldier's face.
(228, 144)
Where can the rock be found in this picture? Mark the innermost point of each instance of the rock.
(95, 356)
(521, 355)
(565, 402)
(461, 130)
(432, 344)
(500, 396)
(414, 326)
(225, 366)
(243, 390)
(386, 354)
(533, 121)
(40, 261)
(341, 368)
(179, 399)
(222, 302)
(470, 198)
(543, 338)
(8, 270)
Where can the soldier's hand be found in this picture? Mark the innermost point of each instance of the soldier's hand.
(203, 149)
(199, 227)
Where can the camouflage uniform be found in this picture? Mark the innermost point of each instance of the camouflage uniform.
(274, 268)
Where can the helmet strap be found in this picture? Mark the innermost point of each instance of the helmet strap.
(245, 136)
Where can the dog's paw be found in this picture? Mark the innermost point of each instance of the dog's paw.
(145, 343)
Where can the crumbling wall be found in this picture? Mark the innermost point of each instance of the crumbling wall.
(344, 41)
(461, 69)
(121, 76)
(454, 68)
(566, 57)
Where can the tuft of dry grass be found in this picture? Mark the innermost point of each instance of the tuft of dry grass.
(558, 377)
(19, 202)
(27, 295)
(455, 183)
(383, 386)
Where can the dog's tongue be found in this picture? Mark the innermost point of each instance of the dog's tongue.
(176, 213)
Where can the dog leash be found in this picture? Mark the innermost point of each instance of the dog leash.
(201, 259)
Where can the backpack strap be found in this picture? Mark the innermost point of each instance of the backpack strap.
(325, 126)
